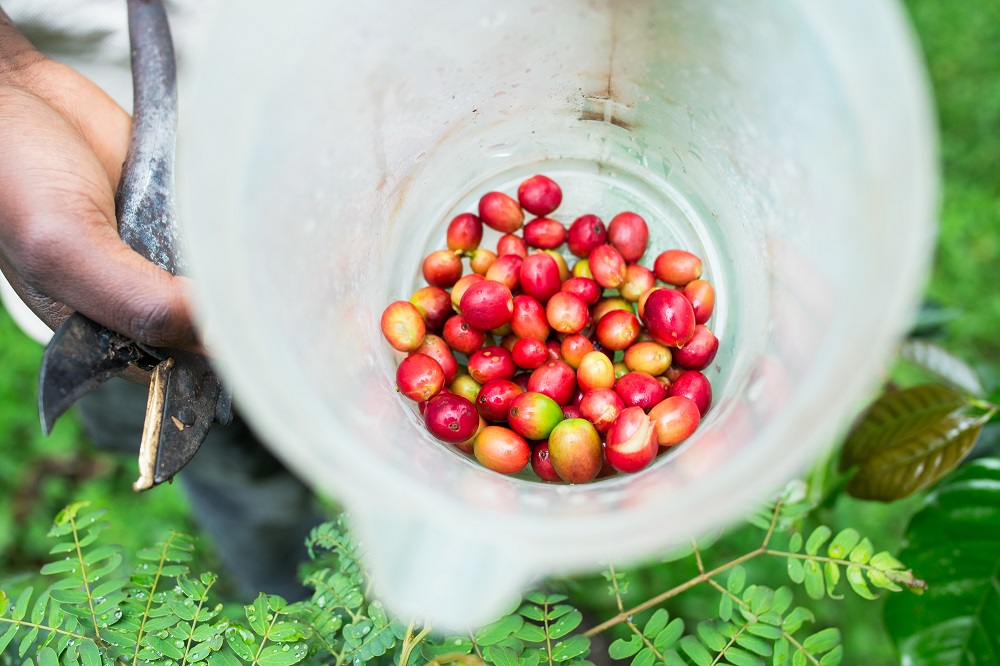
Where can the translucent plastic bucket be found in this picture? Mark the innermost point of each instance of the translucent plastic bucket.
(789, 144)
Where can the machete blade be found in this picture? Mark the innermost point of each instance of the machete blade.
(81, 356)
(183, 396)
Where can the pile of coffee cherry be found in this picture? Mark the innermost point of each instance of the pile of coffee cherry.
(579, 372)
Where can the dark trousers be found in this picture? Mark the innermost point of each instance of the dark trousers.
(256, 513)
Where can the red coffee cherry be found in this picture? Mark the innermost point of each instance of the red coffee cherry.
(498, 211)
(628, 233)
(698, 352)
(694, 385)
(462, 336)
(677, 267)
(702, 297)
(501, 450)
(675, 419)
(544, 233)
(575, 450)
(434, 305)
(631, 443)
(586, 233)
(487, 305)
(464, 232)
(451, 417)
(669, 317)
(442, 268)
(419, 377)
(539, 195)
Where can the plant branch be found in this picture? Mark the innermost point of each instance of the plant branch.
(614, 587)
(42, 627)
(732, 641)
(649, 644)
(194, 622)
(799, 647)
(903, 577)
(774, 522)
(697, 555)
(83, 575)
(152, 593)
(263, 639)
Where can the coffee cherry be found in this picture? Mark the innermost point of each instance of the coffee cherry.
(540, 277)
(617, 330)
(511, 244)
(438, 349)
(507, 271)
(638, 389)
(608, 266)
(480, 260)
(554, 379)
(491, 363)
(501, 450)
(631, 444)
(462, 286)
(582, 269)
(567, 313)
(464, 232)
(442, 268)
(571, 412)
(698, 352)
(601, 407)
(528, 319)
(539, 195)
(575, 450)
(434, 305)
(702, 297)
(544, 233)
(649, 357)
(564, 272)
(465, 386)
(674, 419)
(586, 233)
(595, 371)
(419, 377)
(669, 317)
(606, 305)
(451, 417)
(462, 336)
(487, 305)
(529, 353)
(533, 415)
(498, 211)
(638, 280)
(628, 233)
(495, 397)
(677, 267)
(403, 326)
(585, 288)
(574, 348)
(540, 463)
(694, 385)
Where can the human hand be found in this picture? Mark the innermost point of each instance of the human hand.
(62, 144)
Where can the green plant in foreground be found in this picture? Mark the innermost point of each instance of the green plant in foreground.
(94, 613)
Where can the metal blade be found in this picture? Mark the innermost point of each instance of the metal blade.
(81, 356)
(184, 396)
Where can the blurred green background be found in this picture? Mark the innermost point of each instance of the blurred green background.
(961, 42)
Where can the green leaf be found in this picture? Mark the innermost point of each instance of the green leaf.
(739, 657)
(571, 647)
(896, 414)
(669, 635)
(794, 620)
(646, 657)
(47, 657)
(167, 646)
(224, 658)
(21, 606)
(710, 636)
(90, 654)
(529, 658)
(499, 630)
(282, 655)
(780, 656)
(27, 641)
(813, 579)
(843, 543)
(953, 543)
(725, 608)
(795, 543)
(565, 624)
(656, 622)
(68, 565)
(831, 572)
(796, 573)
(917, 458)
(532, 612)
(530, 633)
(288, 630)
(783, 598)
(7, 637)
(500, 656)
(696, 651)
(856, 579)
(885, 562)
(823, 640)
(757, 644)
(817, 539)
(862, 553)
(737, 579)
(833, 657)
(623, 649)
(242, 642)
(256, 614)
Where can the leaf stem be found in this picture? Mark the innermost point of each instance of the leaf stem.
(649, 644)
(799, 647)
(43, 627)
(407, 648)
(697, 556)
(83, 575)
(732, 641)
(906, 578)
(263, 639)
(548, 639)
(152, 592)
(614, 587)
(194, 622)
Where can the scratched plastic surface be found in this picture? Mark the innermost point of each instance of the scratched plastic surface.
(789, 143)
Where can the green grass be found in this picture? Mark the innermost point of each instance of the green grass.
(961, 41)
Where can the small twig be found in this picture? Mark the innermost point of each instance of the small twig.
(896, 576)
(697, 555)
(799, 647)
(774, 522)
(732, 641)
(614, 587)
(635, 629)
